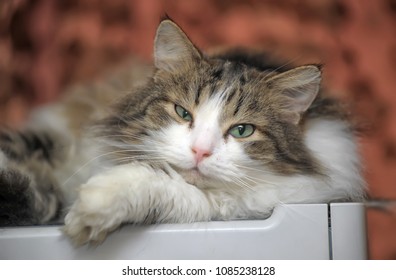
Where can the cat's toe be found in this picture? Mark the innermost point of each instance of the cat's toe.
(78, 236)
(84, 236)
(81, 229)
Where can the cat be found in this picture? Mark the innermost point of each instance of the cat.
(203, 137)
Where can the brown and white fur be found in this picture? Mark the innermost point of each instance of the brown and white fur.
(203, 138)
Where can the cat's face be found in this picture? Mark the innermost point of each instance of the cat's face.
(216, 119)
(205, 132)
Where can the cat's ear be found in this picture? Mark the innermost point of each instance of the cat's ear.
(297, 89)
(173, 51)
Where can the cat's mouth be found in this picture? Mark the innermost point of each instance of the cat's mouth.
(192, 176)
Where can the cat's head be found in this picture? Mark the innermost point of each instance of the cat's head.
(214, 118)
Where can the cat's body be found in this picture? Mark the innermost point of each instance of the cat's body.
(204, 138)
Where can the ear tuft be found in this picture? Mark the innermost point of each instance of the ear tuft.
(298, 89)
(173, 51)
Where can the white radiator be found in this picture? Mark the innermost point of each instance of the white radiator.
(294, 231)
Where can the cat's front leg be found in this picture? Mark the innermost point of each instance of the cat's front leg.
(133, 193)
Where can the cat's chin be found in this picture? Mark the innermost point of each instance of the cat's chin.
(193, 176)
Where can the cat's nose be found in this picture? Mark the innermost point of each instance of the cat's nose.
(200, 153)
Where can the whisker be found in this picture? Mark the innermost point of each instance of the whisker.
(260, 180)
(244, 184)
(101, 156)
(147, 157)
(251, 168)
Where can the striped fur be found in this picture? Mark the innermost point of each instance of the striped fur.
(29, 192)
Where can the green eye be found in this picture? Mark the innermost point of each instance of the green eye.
(242, 130)
(183, 113)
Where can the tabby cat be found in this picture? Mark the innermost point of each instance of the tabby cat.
(218, 137)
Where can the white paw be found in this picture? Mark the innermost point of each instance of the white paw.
(96, 213)
(101, 207)
(83, 227)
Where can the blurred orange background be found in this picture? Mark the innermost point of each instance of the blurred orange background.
(46, 45)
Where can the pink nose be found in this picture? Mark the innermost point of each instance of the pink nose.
(200, 153)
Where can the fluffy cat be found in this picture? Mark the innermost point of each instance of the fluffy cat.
(204, 138)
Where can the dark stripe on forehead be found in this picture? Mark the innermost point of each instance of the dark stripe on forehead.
(215, 78)
(214, 86)
(198, 93)
(240, 102)
(217, 74)
(231, 94)
(243, 78)
(226, 80)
